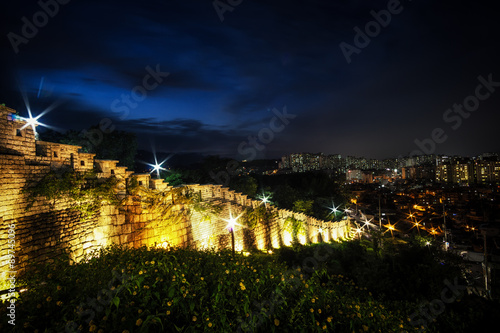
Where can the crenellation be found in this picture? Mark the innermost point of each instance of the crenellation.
(44, 229)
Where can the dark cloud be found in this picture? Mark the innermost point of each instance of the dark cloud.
(226, 77)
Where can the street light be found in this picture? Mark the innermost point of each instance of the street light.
(391, 228)
(231, 223)
(157, 166)
(358, 231)
(334, 210)
(265, 199)
(417, 224)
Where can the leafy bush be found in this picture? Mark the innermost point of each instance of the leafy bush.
(154, 290)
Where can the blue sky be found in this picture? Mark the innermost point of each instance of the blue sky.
(227, 76)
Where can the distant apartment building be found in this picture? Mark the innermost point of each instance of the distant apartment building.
(487, 171)
(443, 169)
(419, 172)
(467, 171)
(359, 176)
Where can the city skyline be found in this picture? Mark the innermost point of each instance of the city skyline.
(253, 80)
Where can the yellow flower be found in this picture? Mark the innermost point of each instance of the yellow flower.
(227, 271)
(152, 262)
(312, 310)
(209, 324)
(168, 313)
(59, 287)
(92, 328)
(138, 322)
(329, 319)
(208, 318)
(359, 315)
(194, 318)
(125, 331)
(276, 322)
(313, 300)
(140, 272)
(319, 310)
(324, 327)
(59, 303)
(49, 299)
(242, 286)
(139, 311)
(201, 278)
(257, 280)
(169, 303)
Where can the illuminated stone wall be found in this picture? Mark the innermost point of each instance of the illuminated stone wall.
(48, 228)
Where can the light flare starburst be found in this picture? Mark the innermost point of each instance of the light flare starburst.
(231, 221)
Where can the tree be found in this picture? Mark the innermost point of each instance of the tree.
(174, 178)
(246, 185)
(303, 206)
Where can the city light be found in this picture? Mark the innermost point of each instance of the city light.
(391, 228)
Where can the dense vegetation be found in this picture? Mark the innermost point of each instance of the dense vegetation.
(87, 191)
(341, 287)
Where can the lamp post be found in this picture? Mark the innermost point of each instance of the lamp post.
(157, 166)
(358, 231)
(231, 223)
(265, 199)
(334, 211)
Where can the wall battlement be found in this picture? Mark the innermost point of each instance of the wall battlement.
(45, 229)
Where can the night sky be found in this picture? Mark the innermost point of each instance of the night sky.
(229, 78)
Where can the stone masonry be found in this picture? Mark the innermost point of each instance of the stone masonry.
(46, 229)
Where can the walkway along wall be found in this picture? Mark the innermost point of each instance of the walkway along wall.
(47, 228)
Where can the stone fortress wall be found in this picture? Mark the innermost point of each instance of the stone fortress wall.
(45, 229)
